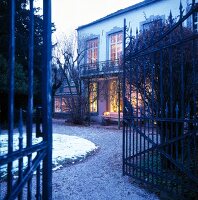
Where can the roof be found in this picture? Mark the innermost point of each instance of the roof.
(119, 12)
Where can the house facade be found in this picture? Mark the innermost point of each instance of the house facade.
(101, 66)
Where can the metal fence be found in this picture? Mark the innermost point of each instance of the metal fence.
(160, 89)
(20, 156)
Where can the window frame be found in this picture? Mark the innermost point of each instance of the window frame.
(117, 42)
(114, 96)
(63, 108)
(93, 94)
(92, 50)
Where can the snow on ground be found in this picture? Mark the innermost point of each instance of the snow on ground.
(66, 150)
(69, 149)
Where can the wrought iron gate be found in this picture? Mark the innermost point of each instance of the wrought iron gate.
(160, 89)
(22, 161)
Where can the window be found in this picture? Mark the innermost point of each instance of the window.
(65, 106)
(115, 46)
(93, 97)
(114, 96)
(92, 51)
(156, 23)
(57, 102)
(61, 104)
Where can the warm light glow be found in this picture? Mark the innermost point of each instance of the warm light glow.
(114, 97)
(92, 51)
(93, 97)
(57, 106)
(106, 113)
(115, 46)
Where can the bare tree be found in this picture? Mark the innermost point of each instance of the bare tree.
(68, 59)
(57, 80)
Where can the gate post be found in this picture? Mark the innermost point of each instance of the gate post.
(46, 101)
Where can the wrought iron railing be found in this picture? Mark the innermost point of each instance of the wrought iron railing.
(107, 67)
(20, 157)
(160, 145)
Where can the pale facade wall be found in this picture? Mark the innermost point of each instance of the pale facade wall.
(102, 103)
(133, 19)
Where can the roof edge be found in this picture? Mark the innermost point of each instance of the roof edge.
(119, 12)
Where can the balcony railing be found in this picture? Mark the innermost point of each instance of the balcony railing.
(102, 68)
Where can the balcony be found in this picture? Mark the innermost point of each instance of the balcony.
(101, 69)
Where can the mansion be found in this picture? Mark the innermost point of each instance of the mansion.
(102, 62)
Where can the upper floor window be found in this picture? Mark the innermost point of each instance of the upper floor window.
(116, 46)
(92, 51)
(153, 22)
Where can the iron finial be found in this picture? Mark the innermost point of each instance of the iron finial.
(171, 17)
(181, 9)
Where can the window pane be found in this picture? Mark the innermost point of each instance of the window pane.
(93, 97)
(120, 37)
(114, 97)
(115, 46)
(92, 52)
(65, 107)
(57, 106)
(113, 39)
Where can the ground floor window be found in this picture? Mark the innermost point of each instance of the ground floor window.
(61, 104)
(115, 94)
(135, 98)
(57, 102)
(65, 104)
(93, 102)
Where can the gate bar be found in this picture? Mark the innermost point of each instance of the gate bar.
(30, 91)
(123, 96)
(46, 100)
(11, 91)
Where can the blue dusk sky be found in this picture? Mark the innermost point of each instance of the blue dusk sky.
(69, 14)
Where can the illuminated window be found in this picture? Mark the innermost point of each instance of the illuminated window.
(65, 106)
(92, 51)
(115, 46)
(114, 97)
(57, 103)
(134, 97)
(93, 97)
(61, 104)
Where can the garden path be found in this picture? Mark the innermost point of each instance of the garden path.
(99, 177)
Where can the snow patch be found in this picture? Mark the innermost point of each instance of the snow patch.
(66, 150)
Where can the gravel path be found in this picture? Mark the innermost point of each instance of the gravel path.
(99, 177)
